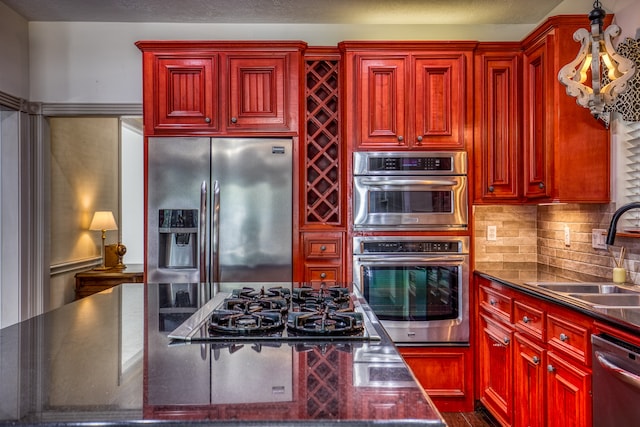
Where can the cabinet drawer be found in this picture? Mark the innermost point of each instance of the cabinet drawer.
(327, 274)
(529, 320)
(568, 337)
(498, 304)
(322, 247)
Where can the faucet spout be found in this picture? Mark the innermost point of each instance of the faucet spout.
(611, 234)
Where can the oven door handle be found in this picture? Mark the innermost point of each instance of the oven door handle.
(391, 182)
(394, 260)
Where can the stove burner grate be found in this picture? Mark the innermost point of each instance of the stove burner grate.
(233, 322)
(327, 323)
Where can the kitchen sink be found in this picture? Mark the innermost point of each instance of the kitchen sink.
(610, 300)
(587, 288)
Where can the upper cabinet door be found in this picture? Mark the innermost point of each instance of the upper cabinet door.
(187, 96)
(440, 104)
(538, 132)
(221, 88)
(498, 116)
(258, 93)
(381, 86)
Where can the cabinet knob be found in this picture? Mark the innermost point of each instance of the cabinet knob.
(419, 139)
(207, 120)
(541, 185)
(550, 368)
(400, 138)
(564, 338)
(323, 248)
(491, 189)
(234, 120)
(323, 275)
(525, 319)
(535, 360)
(492, 302)
(506, 340)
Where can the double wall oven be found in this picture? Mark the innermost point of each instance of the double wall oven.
(410, 246)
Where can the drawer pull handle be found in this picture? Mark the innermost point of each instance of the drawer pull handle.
(323, 248)
(207, 120)
(525, 319)
(493, 302)
(506, 340)
(323, 275)
(234, 120)
(535, 360)
(564, 338)
(551, 369)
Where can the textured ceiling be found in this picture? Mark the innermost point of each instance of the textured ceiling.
(288, 11)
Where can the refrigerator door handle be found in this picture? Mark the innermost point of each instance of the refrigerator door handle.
(202, 232)
(215, 232)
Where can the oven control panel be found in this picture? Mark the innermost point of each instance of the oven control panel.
(410, 247)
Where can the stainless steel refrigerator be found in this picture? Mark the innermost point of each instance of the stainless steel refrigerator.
(219, 209)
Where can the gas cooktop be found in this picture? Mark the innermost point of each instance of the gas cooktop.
(279, 314)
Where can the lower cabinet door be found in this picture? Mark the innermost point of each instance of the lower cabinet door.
(568, 393)
(496, 369)
(528, 393)
(444, 373)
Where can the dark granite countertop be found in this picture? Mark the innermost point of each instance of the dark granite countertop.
(106, 359)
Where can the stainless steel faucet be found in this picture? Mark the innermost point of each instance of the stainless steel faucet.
(611, 234)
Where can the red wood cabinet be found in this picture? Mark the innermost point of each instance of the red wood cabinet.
(566, 150)
(532, 142)
(219, 88)
(408, 95)
(534, 366)
(445, 373)
(529, 369)
(186, 91)
(497, 141)
(323, 258)
(568, 393)
(496, 368)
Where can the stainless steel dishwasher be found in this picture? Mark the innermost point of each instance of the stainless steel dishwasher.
(616, 382)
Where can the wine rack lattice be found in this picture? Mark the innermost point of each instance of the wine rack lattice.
(322, 143)
(323, 378)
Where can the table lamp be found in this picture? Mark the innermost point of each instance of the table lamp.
(103, 221)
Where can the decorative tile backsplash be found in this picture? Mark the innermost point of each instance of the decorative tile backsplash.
(528, 235)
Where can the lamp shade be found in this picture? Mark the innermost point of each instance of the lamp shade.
(103, 220)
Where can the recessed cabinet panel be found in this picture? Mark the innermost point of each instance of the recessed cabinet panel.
(381, 97)
(498, 116)
(439, 102)
(538, 134)
(186, 93)
(257, 92)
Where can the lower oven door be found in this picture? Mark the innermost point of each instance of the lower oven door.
(417, 299)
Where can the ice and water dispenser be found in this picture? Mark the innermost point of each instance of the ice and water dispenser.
(178, 230)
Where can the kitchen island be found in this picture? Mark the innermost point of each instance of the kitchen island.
(107, 359)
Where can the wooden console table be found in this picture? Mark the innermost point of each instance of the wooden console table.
(92, 281)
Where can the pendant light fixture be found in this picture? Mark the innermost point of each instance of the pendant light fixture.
(608, 71)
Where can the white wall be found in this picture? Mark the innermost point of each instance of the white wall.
(98, 62)
(132, 194)
(14, 50)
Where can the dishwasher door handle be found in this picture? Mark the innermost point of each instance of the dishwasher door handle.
(620, 373)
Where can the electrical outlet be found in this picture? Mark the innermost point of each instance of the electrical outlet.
(598, 238)
(491, 232)
(567, 236)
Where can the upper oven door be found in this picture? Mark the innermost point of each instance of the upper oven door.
(410, 202)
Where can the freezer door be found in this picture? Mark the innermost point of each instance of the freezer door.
(255, 218)
(176, 169)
